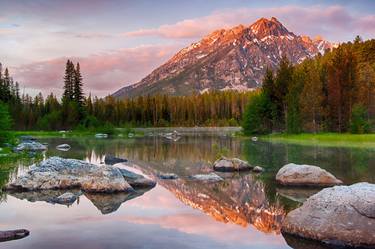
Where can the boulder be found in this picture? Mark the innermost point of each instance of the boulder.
(13, 234)
(101, 135)
(30, 146)
(305, 175)
(111, 160)
(231, 164)
(258, 169)
(59, 173)
(63, 147)
(67, 198)
(167, 176)
(340, 215)
(136, 180)
(212, 177)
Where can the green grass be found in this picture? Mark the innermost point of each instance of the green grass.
(52, 133)
(325, 139)
(123, 132)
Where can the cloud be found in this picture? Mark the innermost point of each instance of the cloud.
(83, 35)
(103, 73)
(334, 22)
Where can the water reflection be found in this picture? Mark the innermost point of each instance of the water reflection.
(247, 201)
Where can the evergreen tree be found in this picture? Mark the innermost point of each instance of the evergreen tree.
(69, 77)
(5, 122)
(77, 89)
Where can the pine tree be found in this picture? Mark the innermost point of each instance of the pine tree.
(68, 94)
(77, 88)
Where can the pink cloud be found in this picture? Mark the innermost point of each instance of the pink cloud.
(103, 73)
(332, 22)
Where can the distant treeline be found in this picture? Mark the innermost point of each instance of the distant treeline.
(334, 92)
(75, 111)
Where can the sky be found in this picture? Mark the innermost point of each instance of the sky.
(118, 42)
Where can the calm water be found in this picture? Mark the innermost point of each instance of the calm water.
(244, 211)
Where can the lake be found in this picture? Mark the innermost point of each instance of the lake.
(243, 211)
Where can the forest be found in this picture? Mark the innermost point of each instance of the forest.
(334, 92)
(330, 93)
(75, 111)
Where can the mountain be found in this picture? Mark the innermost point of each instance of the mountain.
(227, 59)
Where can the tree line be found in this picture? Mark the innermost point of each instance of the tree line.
(331, 93)
(75, 111)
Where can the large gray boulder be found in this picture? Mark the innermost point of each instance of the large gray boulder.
(224, 164)
(30, 146)
(341, 215)
(305, 175)
(59, 173)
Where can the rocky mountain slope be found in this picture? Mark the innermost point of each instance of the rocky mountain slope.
(227, 59)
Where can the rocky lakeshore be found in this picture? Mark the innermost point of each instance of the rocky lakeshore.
(59, 173)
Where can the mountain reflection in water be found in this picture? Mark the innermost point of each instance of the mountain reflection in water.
(243, 211)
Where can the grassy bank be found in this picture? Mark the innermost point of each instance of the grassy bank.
(325, 139)
(124, 132)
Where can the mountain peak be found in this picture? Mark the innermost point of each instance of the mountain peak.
(269, 27)
(227, 59)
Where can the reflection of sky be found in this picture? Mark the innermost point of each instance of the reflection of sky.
(155, 220)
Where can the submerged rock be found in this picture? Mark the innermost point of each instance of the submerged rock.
(13, 234)
(305, 175)
(231, 164)
(59, 173)
(30, 146)
(297, 194)
(136, 180)
(340, 215)
(63, 147)
(101, 135)
(111, 160)
(212, 177)
(167, 176)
